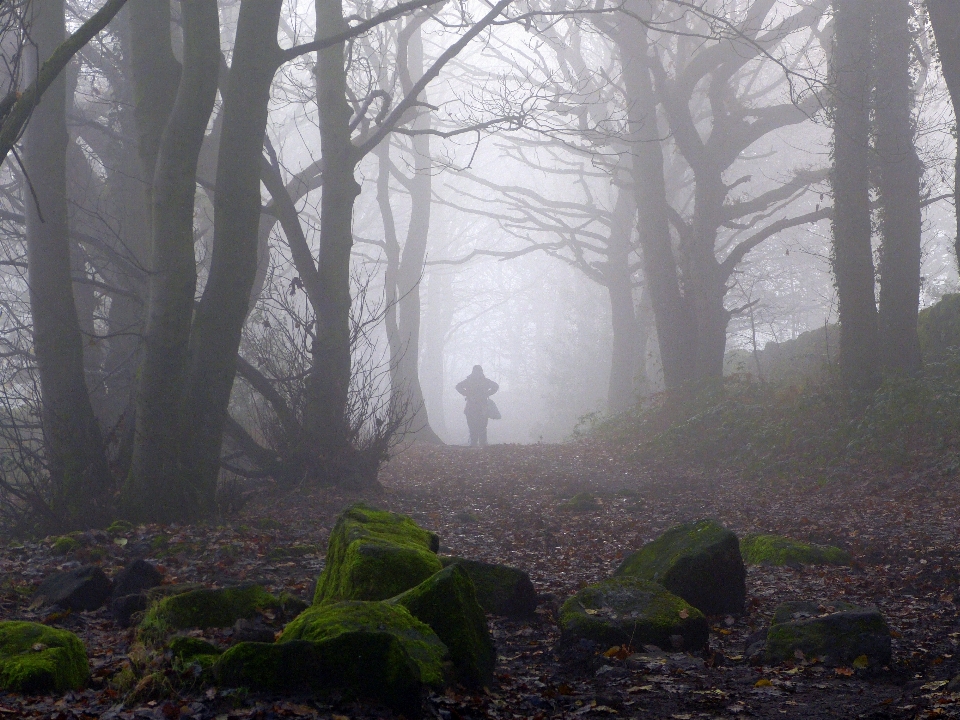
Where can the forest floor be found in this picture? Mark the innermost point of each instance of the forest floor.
(500, 504)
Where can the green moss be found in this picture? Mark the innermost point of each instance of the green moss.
(834, 637)
(332, 620)
(64, 545)
(582, 502)
(35, 658)
(447, 602)
(633, 612)
(119, 527)
(501, 590)
(189, 651)
(375, 555)
(776, 550)
(206, 608)
(698, 561)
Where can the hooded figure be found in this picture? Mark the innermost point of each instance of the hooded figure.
(477, 388)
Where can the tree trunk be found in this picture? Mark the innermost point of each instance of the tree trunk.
(946, 28)
(156, 486)
(438, 319)
(900, 171)
(853, 256)
(675, 333)
(77, 463)
(330, 377)
(415, 248)
(215, 338)
(626, 353)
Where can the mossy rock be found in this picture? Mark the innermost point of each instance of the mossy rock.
(38, 659)
(632, 612)
(333, 620)
(190, 650)
(501, 590)
(119, 527)
(777, 550)
(375, 555)
(699, 561)
(938, 328)
(206, 608)
(839, 635)
(581, 502)
(358, 649)
(447, 602)
(64, 545)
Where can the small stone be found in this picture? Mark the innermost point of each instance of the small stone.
(84, 588)
(837, 638)
(246, 630)
(124, 608)
(135, 578)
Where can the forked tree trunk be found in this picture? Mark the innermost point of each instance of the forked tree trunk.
(157, 487)
(900, 171)
(78, 468)
(853, 256)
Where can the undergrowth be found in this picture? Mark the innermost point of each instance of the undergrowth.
(812, 430)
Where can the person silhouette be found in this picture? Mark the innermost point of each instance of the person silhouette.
(477, 388)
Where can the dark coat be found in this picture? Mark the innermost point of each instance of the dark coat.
(476, 389)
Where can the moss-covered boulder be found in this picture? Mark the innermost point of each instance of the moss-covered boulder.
(698, 561)
(839, 634)
(37, 659)
(375, 555)
(777, 550)
(188, 651)
(207, 608)
(447, 602)
(632, 612)
(579, 503)
(358, 649)
(501, 590)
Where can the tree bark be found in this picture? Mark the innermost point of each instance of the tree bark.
(675, 332)
(157, 487)
(78, 468)
(899, 185)
(215, 338)
(853, 256)
(946, 29)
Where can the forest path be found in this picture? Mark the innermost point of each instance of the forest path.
(501, 504)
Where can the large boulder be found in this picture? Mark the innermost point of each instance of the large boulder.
(137, 577)
(698, 561)
(447, 602)
(375, 555)
(83, 588)
(777, 550)
(501, 590)
(839, 634)
(359, 649)
(206, 608)
(37, 659)
(628, 611)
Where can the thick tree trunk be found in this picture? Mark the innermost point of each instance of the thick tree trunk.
(900, 171)
(675, 332)
(330, 378)
(626, 353)
(74, 445)
(945, 19)
(156, 486)
(853, 256)
(218, 325)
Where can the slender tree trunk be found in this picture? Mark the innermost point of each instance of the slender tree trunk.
(330, 378)
(675, 332)
(156, 487)
(438, 319)
(392, 252)
(946, 28)
(853, 256)
(415, 248)
(625, 354)
(218, 325)
(900, 171)
(74, 445)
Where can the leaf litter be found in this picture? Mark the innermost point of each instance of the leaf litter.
(504, 504)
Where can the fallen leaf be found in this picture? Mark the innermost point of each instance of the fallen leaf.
(762, 682)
